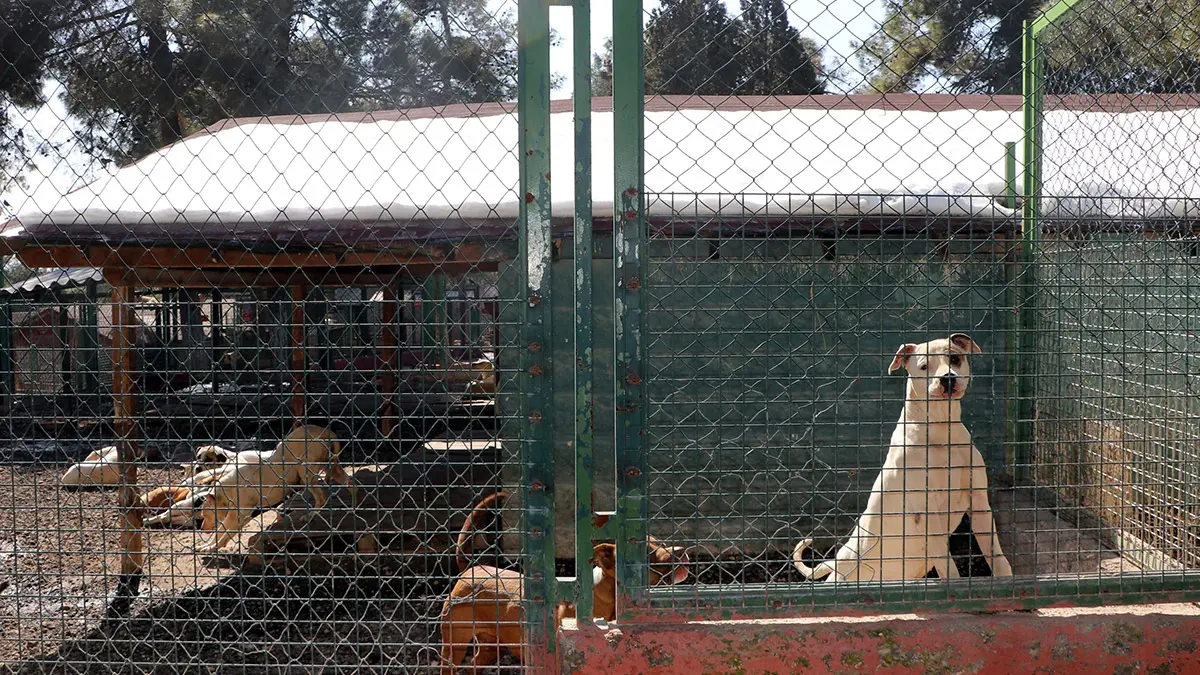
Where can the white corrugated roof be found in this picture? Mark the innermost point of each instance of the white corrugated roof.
(291, 177)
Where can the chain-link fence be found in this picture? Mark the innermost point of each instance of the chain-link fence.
(264, 291)
(305, 367)
(797, 242)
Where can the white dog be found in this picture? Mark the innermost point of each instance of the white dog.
(255, 480)
(933, 475)
(98, 468)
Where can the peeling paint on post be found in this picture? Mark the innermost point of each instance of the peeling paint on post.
(536, 395)
(584, 427)
(629, 271)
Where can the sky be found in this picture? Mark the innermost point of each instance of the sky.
(832, 23)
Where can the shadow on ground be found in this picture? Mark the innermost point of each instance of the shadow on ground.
(268, 623)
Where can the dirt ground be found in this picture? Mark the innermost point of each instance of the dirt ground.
(59, 560)
(58, 565)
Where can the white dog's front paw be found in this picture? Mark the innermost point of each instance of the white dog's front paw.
(207, 548)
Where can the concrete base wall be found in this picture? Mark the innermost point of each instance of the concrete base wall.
(1134, 639)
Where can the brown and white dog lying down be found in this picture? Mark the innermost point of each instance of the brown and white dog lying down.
(933, 475)
(257, 480)
(180, 505)
(484, 606)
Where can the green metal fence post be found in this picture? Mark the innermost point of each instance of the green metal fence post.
(1032, 105)
(1011, 298)
(629, 261)
(584, 427)
(91, 339)
(537, 403)
(1033, 94)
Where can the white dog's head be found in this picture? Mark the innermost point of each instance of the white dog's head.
(938, 370)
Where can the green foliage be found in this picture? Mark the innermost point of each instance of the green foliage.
(28, 41)
(140, 74)
(775, 59)
(975, 46)
(1125, 47)
(969, 45)
(691, 48)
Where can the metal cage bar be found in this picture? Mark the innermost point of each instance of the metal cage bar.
(536, 247)
(582, 255)
(629, 260)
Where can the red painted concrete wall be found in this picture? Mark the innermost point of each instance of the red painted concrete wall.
(1146, 639)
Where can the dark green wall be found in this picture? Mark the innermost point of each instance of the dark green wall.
(771, 407)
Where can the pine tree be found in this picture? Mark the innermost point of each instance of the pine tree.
(695, 47)
(774, 58)
(976, 46)
(691, 48)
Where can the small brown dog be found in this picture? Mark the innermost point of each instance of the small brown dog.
(163, 497)
(484, 607)
(480, 531)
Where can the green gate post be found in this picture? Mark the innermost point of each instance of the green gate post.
(1012, 262)
(629, 267)
(582, 257)
(91, 348)
(1033, 94)
(537, 404)
(433, 299)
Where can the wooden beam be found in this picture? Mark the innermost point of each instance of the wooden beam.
(299, 357)
(210, 279)
(388, 352)
(125, 424)
(159, 257)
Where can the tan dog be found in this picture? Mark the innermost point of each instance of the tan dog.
(163, 497)
(256, 480)
(933, 475)
(210, 457)
(484, 606)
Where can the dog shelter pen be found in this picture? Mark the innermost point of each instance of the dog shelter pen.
(730, 334)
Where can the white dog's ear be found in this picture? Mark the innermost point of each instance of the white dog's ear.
(901, 358)
(965, 343)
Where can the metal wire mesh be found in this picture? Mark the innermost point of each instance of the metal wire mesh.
(272, 215)
(283, 219)
(795, 243)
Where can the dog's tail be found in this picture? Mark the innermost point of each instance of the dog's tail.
(484, 520)
(814, 573)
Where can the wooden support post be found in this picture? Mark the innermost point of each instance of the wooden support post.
(388, 342)
(216, 338)
(299, 407)
(125, 425)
